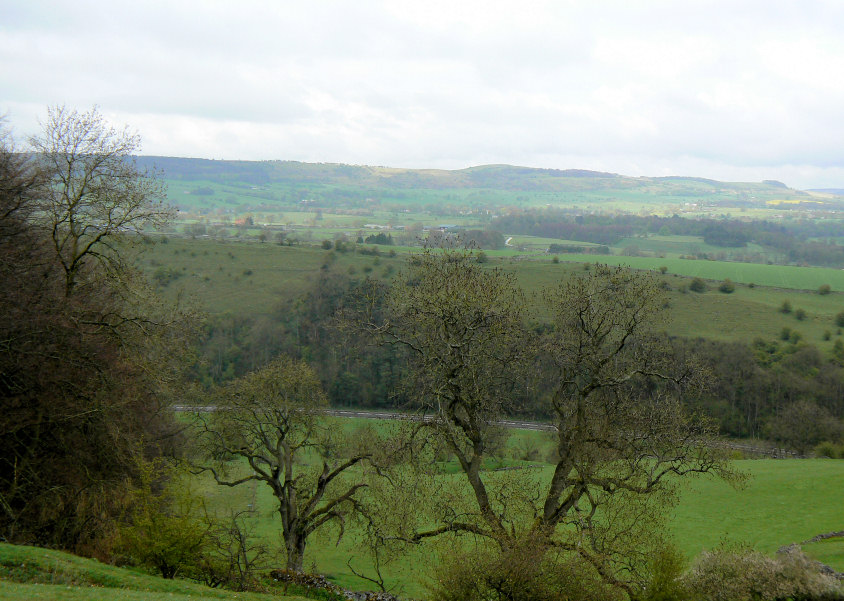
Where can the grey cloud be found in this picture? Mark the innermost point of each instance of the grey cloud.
(729, 88)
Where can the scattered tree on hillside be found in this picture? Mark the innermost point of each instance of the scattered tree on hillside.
(621, 431)
(697, 285)
(380, 238)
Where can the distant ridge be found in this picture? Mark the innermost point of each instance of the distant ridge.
(505, 177)
(836, 191)
(534, 171)
(263, 185)
(702, 180)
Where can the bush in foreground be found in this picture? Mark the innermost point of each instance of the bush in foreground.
(525, 573)
(665, 577)
(740, 574)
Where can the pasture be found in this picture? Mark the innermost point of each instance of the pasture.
(781, 502)
(777, 276)
(251, 278)
(247, 278)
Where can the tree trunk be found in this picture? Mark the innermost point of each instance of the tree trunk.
(295, 551)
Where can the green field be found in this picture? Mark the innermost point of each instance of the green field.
(250, 278)
(779, 276)
(782, 502)
(247, 277)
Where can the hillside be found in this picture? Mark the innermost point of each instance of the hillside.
(30, 573)
(202, 182)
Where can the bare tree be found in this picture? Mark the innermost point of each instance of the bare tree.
(21, 182)
(611, 387)
(272, 419)
(97, 194)
(236, 554)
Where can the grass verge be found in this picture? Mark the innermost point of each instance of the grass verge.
(35, 573)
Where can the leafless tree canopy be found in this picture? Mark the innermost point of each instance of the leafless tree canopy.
(272, 419)
(622, 436)
(96, 193)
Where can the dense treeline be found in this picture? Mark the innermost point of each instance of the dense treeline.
(756, 388)
(753, 388)
(566, 226)
(85, 362)
(798, 241)
(353, 371)
(575, 249)
(487, 239)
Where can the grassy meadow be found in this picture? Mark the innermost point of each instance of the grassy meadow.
(781, 276)
(781, 502)
(254, 278)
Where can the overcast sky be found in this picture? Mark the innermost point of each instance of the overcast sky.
(732, 89)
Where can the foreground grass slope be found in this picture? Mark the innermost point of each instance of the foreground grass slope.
(33, 573)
